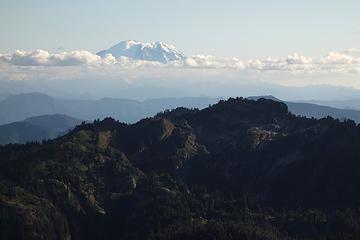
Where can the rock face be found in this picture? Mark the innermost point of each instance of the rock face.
(240, 169)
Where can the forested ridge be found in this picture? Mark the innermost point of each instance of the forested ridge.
(239, 169)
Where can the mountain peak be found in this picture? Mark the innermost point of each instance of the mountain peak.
(156, 51)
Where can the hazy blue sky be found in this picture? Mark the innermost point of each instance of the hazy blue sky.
(246, 29)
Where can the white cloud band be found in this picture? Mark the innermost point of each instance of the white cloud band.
(340, 62)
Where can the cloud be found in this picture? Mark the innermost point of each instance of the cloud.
(352, 52)
(44, 58)
(346, 61)
(41, 64)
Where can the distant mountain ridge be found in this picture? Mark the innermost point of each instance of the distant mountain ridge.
(19, 107)
(55, 122)
(157, 51)
(37, 128)
(352, 103)
(22, 106)
(315, 110)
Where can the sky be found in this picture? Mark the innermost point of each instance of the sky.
(226, 43)
(239, 28)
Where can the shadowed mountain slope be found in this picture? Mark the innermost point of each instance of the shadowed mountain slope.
(239, 169)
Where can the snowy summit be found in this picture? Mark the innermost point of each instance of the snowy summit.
(158, 51)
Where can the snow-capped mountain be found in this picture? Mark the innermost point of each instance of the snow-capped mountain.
(158, 51)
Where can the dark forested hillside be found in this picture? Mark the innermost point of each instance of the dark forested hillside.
(240, 169)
